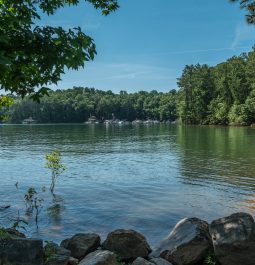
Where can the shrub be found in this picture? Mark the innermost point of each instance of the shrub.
(54, 163)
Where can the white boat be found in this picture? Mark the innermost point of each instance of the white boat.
(30, 120)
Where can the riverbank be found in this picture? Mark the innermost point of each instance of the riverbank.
(225, 241)
(135, 122)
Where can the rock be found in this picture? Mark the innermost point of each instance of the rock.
(55, 255)
(127, 244)
(141, 261)
(234, 239)
(73, 261)
(160, 261)
(2, 208)
(15, 233)
(82, 244)
(20, 251)
(100, 257)
(187, 244)
(64, 243)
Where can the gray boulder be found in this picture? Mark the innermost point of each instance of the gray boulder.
(160, 261)
(55, 255)
(73, 261)
(82, 244)
(127, 244)
(234, 239)
(20, 251)
(64, 243)
(15, 233)
(100, 257)
(141, 261)
(187, 244)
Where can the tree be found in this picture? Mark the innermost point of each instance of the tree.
(223, 94)
(239, 114)
(5, 104)
(32, 56)
(196, 90)
(249, 6)
(54, 163)
(78, 104)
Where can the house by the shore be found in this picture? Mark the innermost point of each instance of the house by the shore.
(30, 120)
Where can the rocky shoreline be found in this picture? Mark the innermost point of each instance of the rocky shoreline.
(226, 241)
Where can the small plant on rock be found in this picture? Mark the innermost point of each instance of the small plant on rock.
(120, 261)
(210, 259)
(4, 233)
(49, 251)
(56, 166)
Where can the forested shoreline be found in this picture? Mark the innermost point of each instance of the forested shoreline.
(219, 95)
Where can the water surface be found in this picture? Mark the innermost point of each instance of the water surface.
(141, 177)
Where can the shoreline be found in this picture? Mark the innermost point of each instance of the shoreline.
(130, 124)
(191, 242)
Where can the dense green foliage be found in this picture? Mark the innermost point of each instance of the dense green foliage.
(34, 56)
(5, 104)
(222, 95)
(78, 104)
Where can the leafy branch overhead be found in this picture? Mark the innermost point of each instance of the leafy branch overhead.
(33, 57)
(249, 6)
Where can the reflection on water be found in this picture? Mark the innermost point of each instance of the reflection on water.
(56, 210)
(221, 155)
(140, 177)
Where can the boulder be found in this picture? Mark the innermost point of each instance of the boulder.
(100, 257)
(4, 207)
(187, 244)
(233, 239)
(127, 244)
(64, 243)
(55, 255)
(160, 261)
(82, 244)
(141, 261)
(20, 251)
(73, 261)
(11, 233)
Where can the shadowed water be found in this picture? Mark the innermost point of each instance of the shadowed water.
(142, 177)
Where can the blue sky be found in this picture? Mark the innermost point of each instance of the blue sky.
(146, 43)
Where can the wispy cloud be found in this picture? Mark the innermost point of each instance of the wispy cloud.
(235, 48)
(118, 76)
(243, 35)
(139, 71)
(208, 50)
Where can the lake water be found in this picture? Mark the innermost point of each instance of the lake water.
(145, 178)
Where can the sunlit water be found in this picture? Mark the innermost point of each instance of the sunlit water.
(145, 178)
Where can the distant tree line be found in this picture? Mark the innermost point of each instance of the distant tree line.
(222, 95)
(78, 104)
